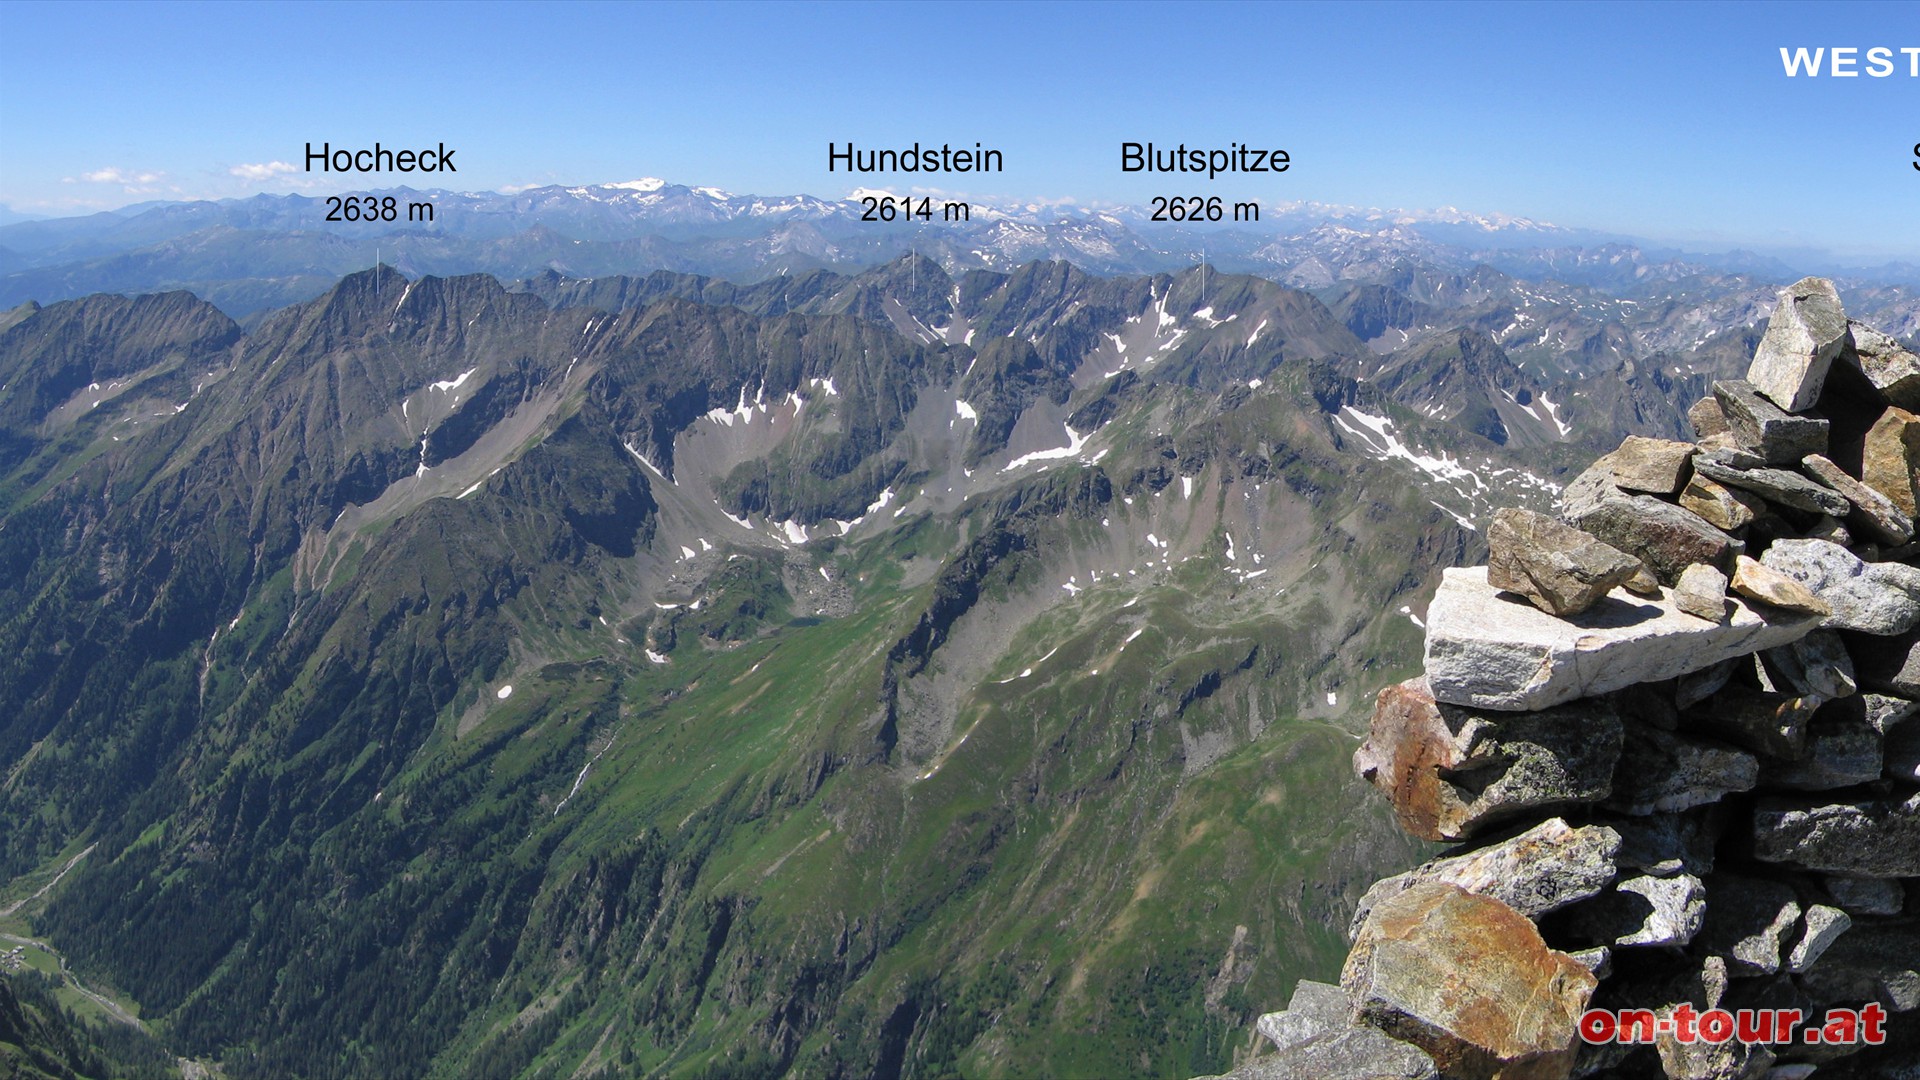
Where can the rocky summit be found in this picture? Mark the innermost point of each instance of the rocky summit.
(1703, 797)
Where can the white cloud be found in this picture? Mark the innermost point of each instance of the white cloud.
(112, 175)
(515, 189)
(264, 171)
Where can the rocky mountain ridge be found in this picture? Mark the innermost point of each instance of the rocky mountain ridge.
(722, 679)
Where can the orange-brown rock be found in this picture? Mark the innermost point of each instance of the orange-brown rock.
(1890, 460)
(1470, 981)
(1450, 771)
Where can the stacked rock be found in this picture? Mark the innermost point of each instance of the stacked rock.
(1675, 730)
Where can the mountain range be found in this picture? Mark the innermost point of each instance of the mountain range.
(844, 661)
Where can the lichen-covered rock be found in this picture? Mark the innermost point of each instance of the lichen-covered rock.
(1864, 838)
(1645, 909)
(1807, 332)
(1661, 772)
(1762, 427)
(1543, 869)
(1655, 466)
(1560, 569)
(1886, 710)
(1470, 981)
(1874, 598)
(1667, 537)
(1823, 926)
(1451, 771)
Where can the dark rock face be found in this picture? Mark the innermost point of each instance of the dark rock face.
(1866, 838)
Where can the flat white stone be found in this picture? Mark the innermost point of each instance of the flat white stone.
(1493, 651)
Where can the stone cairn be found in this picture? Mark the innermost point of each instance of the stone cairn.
(1675, 730)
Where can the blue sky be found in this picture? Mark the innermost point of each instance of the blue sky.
(1669, 121)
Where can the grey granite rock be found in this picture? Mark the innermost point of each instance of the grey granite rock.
(1543, 869)
(1874, 598)
(1863, 838)
(1901, 752)
(1789, 489)
(1831, 529)
(1644, 909)
(1765, 429)
(1823, 926)
(1840, 753)
(1490, 652)
(1891, 369)
(1666, 844)
(1666, 537)
(1697, 686)
(1771, 724)
(1317, 1039)
(1888, 665)
(1807, 332)
(1873, 961)
(1598, 960)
